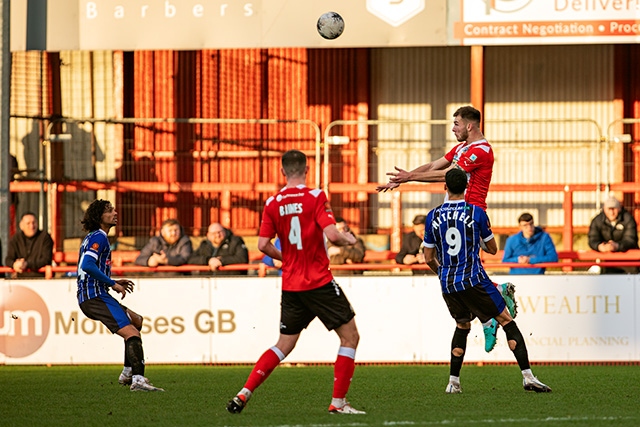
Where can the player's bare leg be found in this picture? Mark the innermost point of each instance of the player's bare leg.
(519, 349)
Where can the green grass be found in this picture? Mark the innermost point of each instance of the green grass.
(392, 395)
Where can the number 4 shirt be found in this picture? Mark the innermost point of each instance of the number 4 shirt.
(298, 216)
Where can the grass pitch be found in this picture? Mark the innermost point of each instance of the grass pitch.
(299, 396)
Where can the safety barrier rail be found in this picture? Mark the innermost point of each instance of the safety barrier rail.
(225, 190)
(375, 261)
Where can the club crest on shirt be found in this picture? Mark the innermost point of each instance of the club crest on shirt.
(95, 246)
(473, 157)
(327, 207)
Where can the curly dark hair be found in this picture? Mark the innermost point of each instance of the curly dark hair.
(93, 215)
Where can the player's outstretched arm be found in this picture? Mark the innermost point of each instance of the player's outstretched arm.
(386, 187)
(429, 172)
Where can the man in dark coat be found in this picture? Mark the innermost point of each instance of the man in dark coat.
(172, 247)
(30, 248)
(410, 253)
(614, 230)
(220, 248)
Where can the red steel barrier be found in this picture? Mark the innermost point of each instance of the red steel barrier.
(376, 261)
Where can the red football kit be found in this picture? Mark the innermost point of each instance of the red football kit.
(476, 159)
(298, 216)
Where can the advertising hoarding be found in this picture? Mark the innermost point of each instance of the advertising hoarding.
(233, 320)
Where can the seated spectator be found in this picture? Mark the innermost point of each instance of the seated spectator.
(532, 245)
(29, 249)
(171, 247)
(351, 254)
(410, 252)
(267, 260)
(220, 248)
(614, 230)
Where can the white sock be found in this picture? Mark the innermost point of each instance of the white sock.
(126, 370)
(454, 379)
(338, 402)
(526, 373)
(246, 393)
(138, 378)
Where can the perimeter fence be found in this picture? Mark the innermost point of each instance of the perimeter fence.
(222, 170)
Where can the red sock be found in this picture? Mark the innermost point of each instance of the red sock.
(342, 375)
(264, 366)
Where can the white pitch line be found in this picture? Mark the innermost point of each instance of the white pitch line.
(454, 421)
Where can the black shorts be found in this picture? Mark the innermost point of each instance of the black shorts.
(328, 303)
(483, 301)
(108, 310)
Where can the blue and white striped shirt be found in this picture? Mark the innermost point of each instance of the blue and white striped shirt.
(95, 245)
(455, 229)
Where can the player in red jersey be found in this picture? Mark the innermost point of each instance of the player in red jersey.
(474, 156)
(301, 217)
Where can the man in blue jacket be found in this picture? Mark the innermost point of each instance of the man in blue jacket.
(531, 245)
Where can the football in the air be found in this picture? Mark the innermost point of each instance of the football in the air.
(330, 25)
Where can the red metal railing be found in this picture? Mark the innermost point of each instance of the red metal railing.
(226, 191)
(378, 261)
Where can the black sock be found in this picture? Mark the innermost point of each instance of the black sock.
(135, 354)
(520, 352)
(459, 341)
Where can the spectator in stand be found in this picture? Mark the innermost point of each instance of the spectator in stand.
(350, 254)
(220, 248)
(268, 261)
(29, 249)
(171, 247)
(410, 253)
(532, 245)
(614, 230)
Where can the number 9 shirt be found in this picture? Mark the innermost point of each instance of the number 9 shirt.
(455, 229)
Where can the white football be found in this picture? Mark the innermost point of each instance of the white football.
(330, 25)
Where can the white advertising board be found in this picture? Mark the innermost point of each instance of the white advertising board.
(400, 319)
(197, 24)
(517, 22)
